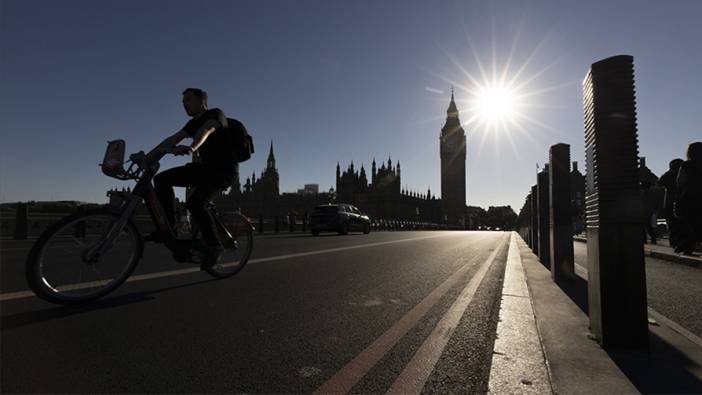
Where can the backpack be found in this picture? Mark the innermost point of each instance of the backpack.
(242, 143)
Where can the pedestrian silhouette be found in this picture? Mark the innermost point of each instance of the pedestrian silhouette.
(668, 181)
(688, 207)
(649, 211)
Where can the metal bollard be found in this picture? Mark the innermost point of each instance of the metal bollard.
(277, 224)
(543, 203)
(260, 224)
(561, 238)
(534, 220)
(617, 279)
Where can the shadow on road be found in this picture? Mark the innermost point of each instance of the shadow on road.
(576, 290)
(18, 320)
(664, 369)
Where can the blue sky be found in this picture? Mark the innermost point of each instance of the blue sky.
(329, 81)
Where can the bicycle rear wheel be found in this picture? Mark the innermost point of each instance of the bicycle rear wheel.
(235, 232)
(59, 267)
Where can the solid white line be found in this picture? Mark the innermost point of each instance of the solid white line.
(16, 295)
(417, 371)
(348, 376)
(26, 294)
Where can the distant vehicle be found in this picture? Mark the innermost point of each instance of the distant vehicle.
(341, 218)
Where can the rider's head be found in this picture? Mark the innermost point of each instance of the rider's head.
(194, 101)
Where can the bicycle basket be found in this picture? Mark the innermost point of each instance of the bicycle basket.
(113, 163)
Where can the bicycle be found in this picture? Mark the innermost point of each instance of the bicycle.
(88, 254)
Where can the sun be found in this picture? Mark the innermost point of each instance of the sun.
(503, 97)
(495, 103)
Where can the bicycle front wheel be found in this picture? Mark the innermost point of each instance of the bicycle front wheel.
(62, 267)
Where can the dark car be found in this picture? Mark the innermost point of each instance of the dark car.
(340, 218)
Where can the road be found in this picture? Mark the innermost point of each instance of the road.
(326, 313)
(673, 290)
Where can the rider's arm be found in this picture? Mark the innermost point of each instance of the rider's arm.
(168, 143)
(205, 130)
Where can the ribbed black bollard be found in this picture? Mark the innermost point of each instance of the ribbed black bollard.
(562, 259)
(304, 223)
(260, 224)
(21, 222)
(291, 223)
(534, 220)
(543, 204)
(277, 224)
(617, 278)
(527, 208)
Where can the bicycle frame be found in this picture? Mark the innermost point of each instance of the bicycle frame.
(145, 190)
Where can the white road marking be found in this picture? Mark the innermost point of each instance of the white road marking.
(26, 294)
(348, 376)
(417, 371)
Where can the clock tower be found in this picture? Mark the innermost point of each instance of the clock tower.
(452, 147)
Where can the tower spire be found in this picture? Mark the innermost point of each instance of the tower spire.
(452, 111)
(271, 157)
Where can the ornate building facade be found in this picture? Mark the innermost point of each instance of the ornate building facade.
(379, 194)
(383, 197)
(260, 196)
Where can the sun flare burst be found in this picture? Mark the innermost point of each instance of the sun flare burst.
(495, 102)
(504, 99)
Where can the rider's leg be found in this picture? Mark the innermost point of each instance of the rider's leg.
(196, 204)
(181, 176)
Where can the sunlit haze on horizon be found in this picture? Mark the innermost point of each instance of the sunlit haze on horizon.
(331, 82)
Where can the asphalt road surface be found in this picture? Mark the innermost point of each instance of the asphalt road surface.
(674, 290)
(350, 313)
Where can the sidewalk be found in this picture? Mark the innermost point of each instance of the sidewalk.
(577, 364)
(664, 252)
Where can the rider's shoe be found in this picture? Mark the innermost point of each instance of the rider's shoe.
(213, 254)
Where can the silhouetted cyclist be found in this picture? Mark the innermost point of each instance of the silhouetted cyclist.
(210, 171)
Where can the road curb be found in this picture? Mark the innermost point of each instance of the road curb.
(576, 363)
(519, 362)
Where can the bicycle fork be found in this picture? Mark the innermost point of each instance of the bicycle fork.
(94, 252)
